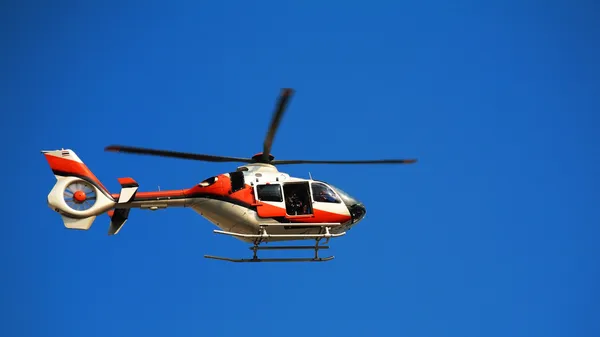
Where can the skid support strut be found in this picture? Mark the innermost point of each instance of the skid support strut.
(263, 237)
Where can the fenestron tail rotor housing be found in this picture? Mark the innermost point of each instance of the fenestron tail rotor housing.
(78, 198)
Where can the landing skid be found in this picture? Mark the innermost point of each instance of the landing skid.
(259, 239)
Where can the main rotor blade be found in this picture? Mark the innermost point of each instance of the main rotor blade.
(282, 103)
(380, 161)
(174, 154)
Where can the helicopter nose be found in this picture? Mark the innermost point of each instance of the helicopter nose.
(358, 212)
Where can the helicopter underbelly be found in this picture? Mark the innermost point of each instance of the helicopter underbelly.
(227, 216)
(239, 219)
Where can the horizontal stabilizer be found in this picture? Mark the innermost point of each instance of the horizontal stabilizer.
(118, 217)
(129, 188)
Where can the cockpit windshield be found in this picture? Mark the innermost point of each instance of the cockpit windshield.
(348, 200)
(323, 193)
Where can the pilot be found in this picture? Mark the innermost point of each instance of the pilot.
(325, 196)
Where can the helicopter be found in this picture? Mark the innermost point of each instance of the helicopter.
(255, 203)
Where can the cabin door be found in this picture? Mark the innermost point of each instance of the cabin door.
(297, 199)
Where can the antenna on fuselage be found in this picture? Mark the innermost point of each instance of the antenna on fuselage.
(310, 176)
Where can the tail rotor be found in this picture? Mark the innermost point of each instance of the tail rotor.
(80, 195)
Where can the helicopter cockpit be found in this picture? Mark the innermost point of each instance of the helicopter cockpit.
(346, 198)
(323, 193)
(300, 196)
(356, 208)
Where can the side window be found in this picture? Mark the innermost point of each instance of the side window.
(269, 192)
(322, 193)
(237, 181)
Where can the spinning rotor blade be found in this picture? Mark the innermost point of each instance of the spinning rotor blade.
(282, 103)
(175, 154)
(381, 161)
(265, 157)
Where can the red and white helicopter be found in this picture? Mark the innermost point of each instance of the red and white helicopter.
(256, 203)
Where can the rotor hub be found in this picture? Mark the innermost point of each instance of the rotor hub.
(258, 158)
(79, 196)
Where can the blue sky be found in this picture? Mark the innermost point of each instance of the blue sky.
(493, 233)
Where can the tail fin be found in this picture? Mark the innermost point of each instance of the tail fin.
(77, 195)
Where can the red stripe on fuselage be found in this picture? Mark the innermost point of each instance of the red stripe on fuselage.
(318, 216)
(156, 194)
(219, 188)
